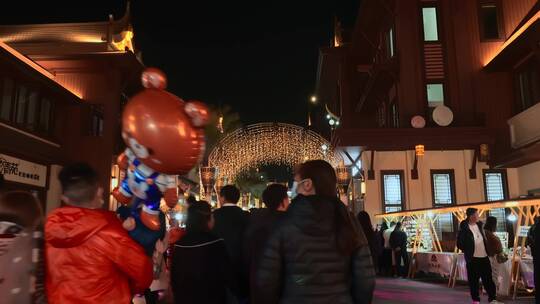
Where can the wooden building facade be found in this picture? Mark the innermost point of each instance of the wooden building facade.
(405, 58)
(62, 89)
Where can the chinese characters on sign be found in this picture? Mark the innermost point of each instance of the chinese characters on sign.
(20, 171)
(7, 167)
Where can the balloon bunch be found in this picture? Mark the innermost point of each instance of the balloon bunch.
(164, 137)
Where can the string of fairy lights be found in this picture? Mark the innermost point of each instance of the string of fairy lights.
(268, 144)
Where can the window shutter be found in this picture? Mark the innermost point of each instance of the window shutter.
(442, 189)
(494, 186)
(392, 192)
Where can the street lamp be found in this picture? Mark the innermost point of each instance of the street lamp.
(313, 99)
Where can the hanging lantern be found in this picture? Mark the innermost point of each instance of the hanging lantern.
(419, 150)
(484, 153)
(343, 175)
(208, 178)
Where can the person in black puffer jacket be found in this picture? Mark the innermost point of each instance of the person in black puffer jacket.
(261, 224)
(201, 270)
(318, 253)
(398, 242)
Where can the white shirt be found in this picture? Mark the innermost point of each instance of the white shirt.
(386, 237)
(229, 205)
(479, 246)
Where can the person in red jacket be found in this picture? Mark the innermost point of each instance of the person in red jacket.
(90, 256)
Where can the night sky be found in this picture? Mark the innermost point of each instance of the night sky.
(260, 58)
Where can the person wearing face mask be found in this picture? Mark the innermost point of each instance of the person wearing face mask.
(472, 241)
(318, 253)
(90, 257)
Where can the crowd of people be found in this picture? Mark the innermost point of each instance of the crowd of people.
(482, 248)
(308, 250)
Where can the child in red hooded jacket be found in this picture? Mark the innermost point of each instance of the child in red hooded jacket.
(90, 257)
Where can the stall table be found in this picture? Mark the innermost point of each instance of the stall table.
(445, 265)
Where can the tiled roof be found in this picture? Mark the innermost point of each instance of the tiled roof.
(86, 32)
(63, 32)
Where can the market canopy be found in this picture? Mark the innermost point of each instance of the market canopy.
(515, 205)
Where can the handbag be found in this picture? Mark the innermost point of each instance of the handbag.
(501, 258)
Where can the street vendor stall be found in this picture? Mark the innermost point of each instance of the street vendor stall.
(430, 255)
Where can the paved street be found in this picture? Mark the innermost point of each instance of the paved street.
(390, 291)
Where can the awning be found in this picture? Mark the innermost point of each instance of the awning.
(461, 208)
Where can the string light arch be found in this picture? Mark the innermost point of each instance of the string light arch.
(268, 144)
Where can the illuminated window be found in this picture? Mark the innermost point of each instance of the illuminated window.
(393, 191)
(443, 191)
(495, 186)
(442, 182)
(435, 94)
(431, 28)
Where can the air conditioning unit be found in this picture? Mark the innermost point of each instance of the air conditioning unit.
(525, 127)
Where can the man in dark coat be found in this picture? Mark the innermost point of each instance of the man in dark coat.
(472, 241)
(398, 243)
(261, 224)
(230, 225)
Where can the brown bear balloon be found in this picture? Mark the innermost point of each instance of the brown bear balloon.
(164, 137)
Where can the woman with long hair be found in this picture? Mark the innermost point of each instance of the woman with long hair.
(374, 245)
(494, 249)
(382, 263)
(318, 253)
(201, 270)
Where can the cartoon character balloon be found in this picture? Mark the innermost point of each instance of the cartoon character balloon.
(164, 137)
